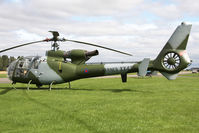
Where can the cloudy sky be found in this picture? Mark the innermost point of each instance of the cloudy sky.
(139, 27)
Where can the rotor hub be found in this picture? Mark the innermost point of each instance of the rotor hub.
(171, 61)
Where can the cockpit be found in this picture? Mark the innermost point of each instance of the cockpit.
(21, 66)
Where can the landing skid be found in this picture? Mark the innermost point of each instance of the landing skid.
(13, 85)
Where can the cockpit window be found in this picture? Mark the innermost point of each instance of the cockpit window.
(35, 64)
(24, 63)
(11, 69)
(21, 67)
(20, 64)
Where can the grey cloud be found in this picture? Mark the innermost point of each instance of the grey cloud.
(126, 29)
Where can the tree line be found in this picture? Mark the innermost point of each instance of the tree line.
(5, 61)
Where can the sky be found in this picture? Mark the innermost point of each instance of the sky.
(138, 27)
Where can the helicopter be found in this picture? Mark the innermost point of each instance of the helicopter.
(56, 68)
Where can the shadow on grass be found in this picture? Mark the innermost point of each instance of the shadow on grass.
(139, 78)
(111, 90)
(6, 90)
(32, 88)
(50, 108)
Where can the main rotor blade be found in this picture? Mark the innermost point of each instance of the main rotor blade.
(17, 46)
(91, 44)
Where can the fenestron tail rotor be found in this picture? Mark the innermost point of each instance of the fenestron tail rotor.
(55, 45)
(171, 61)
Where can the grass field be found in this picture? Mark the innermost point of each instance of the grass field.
(3, 76)
(192, 74)
(103, 106)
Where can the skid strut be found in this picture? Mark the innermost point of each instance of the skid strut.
(69, 85)
(50, 86)
(13, 85)
(28, 87)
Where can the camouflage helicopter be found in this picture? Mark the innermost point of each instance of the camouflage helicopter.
(56, 69)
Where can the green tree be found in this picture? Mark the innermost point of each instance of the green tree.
(12, 58)
(1, 63)
(5, 62)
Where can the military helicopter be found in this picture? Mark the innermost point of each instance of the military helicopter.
(56, 69)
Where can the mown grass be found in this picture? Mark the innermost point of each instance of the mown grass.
(3, 76)
(103, 106)
(192, 74)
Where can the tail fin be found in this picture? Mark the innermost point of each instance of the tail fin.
(173, 57)
(142, 68)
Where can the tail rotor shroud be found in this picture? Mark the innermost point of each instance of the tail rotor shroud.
(171, 61)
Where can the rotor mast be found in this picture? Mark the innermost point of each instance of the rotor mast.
(55, 45)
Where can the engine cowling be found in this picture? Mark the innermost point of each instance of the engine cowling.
(79, 56)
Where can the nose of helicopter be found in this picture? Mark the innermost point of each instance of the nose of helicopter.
(11, 68)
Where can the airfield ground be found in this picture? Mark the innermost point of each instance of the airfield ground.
(3, 72)
(103, 106)
(4, 77)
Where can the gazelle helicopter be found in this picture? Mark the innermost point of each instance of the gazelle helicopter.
(55, 69)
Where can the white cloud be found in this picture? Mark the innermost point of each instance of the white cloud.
(169, 11)
(26, 36)
(190, 7)
(87, 7)
(139, 27)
